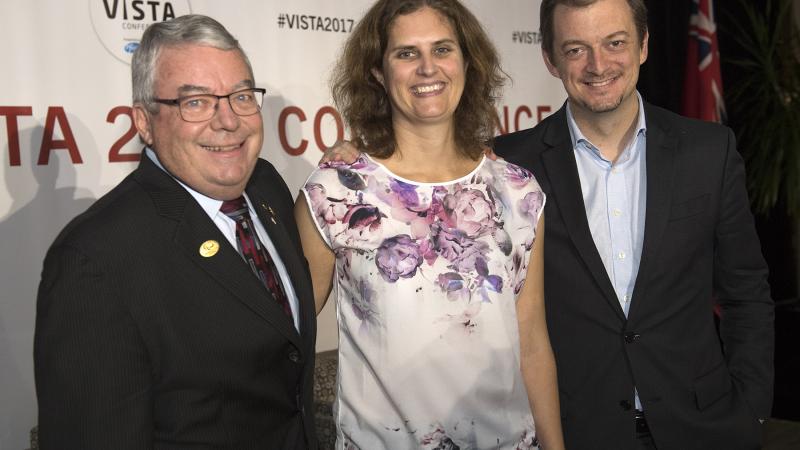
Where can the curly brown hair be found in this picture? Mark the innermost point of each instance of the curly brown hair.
(364, 104)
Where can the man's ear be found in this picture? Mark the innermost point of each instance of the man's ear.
(643, 53)
(143, 122)
(550, 66)
(378, 74)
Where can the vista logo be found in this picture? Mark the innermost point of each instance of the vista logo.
(119, 24)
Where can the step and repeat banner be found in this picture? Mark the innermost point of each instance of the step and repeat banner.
(66, 135)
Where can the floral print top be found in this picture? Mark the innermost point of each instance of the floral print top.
(426, 282)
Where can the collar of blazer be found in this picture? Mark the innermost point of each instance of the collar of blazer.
(558, 160)
(662, 148)
(266, 186)
(192, 227)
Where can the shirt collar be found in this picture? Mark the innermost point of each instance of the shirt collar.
(210, 205)
(578, 137)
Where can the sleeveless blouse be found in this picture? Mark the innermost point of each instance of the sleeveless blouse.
(425, 283)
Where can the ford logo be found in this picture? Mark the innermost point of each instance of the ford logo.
(131, 47)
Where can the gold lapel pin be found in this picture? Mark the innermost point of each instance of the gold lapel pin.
(271, 212)
(209, 248)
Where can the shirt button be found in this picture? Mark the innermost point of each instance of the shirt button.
(621, 255)
(616, 212)
(626, 298)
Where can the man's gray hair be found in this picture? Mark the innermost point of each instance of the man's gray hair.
(191, 29)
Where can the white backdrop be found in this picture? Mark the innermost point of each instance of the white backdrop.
(66, 137)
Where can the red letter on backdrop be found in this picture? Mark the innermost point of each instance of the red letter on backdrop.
(294, 151)
(520, 110)
(502, 124)
(49, 144)
(114, 154)
(11, 113)
(540, 111)
(318, 125)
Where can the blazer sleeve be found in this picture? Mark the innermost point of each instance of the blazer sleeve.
(740, 274)
(92, 371)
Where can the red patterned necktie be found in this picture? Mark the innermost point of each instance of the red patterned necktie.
(253, 251)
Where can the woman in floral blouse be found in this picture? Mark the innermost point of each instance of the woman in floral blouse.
(435, 252)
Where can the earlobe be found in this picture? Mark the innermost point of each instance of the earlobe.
(643, 53)
(141, 119)
(550, 66)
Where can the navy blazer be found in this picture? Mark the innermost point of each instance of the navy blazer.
(144, 343)
(699, 244)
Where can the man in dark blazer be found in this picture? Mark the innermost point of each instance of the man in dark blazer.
(647, 220)
(152, 331)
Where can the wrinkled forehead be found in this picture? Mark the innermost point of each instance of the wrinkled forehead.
(601, 16)
(190, 70)
(390, 28)
(199, 57)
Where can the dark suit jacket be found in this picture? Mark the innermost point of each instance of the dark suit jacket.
(142, 343)
(699, 242)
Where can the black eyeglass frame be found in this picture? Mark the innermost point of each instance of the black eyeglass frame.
(177, 102)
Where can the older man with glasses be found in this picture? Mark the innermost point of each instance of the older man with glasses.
(177, 311)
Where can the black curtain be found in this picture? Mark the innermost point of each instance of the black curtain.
(661, 77)
(661, 83)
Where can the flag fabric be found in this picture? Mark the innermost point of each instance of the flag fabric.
(702, 87)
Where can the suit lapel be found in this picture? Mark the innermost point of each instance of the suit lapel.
(229, 269)
(562, 172)
(661, 148)
(193, 228)
(291, 258)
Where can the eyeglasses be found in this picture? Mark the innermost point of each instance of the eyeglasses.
(202, 107)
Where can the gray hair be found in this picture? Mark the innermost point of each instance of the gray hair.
(191, 29)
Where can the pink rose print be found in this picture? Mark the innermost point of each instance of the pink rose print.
(363, 217)
(471, 212)
(517, 176)
(438, 440)
(530, 205)
(527, 441)
(398, 257)
(325, 208)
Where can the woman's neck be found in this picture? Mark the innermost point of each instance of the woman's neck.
(428, 154)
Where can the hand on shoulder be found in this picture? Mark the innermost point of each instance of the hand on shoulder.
(489, 152)
(343, 151)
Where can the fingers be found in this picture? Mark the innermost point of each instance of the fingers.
(490, 153)
(343, 151)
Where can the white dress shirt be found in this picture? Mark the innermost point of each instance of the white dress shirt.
(227, 226)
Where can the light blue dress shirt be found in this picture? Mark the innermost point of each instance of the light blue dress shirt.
(228, 228)
(614, 195)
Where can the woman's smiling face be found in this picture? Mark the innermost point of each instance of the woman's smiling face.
(423, 68)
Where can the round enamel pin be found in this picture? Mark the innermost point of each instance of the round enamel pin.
(209, 248)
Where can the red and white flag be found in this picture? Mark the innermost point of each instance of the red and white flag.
(702, 87)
